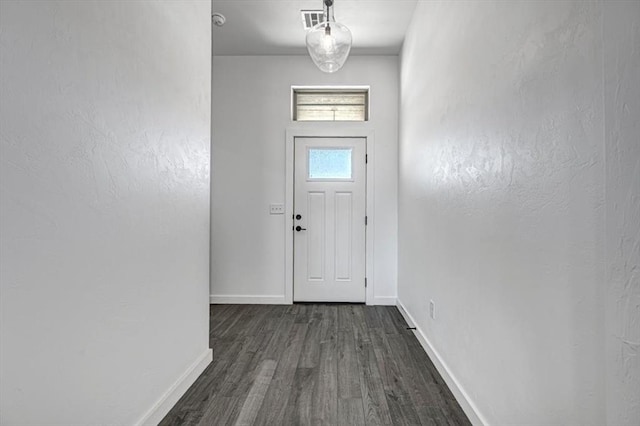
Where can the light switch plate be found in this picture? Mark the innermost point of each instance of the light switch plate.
(276, 209)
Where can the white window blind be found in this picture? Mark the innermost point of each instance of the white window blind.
(330, 105)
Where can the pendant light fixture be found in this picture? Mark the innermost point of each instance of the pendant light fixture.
(329, 42)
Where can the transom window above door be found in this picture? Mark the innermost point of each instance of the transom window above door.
(330, 103)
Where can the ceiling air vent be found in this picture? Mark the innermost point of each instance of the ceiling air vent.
(311, 18)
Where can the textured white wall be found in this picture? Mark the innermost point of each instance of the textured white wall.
(502, 204)
(622, 147)
(104, 179)
(248, 166)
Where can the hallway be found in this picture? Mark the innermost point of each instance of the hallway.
(315, 363)
(157, 172)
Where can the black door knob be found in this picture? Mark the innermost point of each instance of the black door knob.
(298, 216)
(300, 228)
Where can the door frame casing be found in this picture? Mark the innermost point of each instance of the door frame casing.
(334, 132)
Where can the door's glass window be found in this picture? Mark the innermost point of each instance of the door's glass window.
(330, 163)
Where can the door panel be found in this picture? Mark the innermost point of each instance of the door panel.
(343, 219)
(316, 235)
(330, 197)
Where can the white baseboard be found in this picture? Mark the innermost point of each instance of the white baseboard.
(277, 300)
(166, 402)
(469, 408)
(384, 301)
(247, 300)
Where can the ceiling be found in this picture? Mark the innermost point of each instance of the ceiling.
(274, 27)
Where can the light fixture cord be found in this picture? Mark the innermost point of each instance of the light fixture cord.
(328, 4)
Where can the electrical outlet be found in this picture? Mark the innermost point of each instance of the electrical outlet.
(432, 309)
(276, 209)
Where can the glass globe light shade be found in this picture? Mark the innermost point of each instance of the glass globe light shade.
(329, 44)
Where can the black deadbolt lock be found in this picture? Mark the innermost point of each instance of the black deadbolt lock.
(298, 216)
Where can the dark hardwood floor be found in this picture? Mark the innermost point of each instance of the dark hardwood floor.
(315, 364)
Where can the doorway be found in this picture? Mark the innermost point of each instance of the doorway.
(318, 133)
(329, 213)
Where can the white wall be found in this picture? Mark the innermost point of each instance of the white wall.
(502, 204)
(250, 119)
(104, 154)
(622, 210)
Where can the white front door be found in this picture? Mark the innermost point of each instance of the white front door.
(329, 220)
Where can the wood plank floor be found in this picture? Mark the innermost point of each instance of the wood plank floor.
(304, 364)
